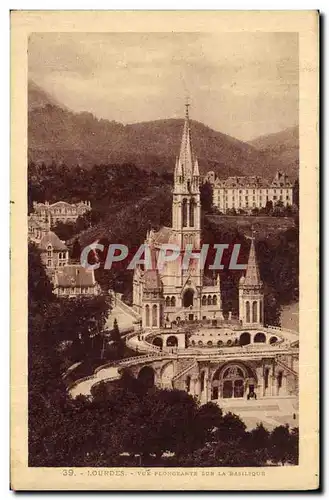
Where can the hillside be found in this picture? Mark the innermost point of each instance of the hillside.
(39, 98)
(263, 226)
(59, 135)
(283, 147)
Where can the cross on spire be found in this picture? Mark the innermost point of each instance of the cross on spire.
(187, 105)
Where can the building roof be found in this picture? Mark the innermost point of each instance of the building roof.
(75, 275)
(252, 181)
(50, 238)
(162, 236)
(152, 280)
(34, 223)
(60, 203)
(242, 182)
(281, 180)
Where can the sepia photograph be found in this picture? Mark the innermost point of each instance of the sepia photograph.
(163, 251)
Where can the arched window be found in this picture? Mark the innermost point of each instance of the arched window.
(172, 341)
(233, 382)
(261, 311)
(266, 376)
(158, 342)
(173, 301)
(202, 381)
(209, 301)
(279, 380)
(192, 212)
(155, 315)
(184, 212)
(204, 300)
(146, 376)
(214, 300)
(254, 312)
(260, 337)
(215, 386)
(49, 251)
(247, 311)
(245, 338)
(188, 298)
(209, 343)
(167, 301)
(147, 315)
(273, 340)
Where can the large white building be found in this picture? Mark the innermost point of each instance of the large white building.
(247, 193)
(60, 211)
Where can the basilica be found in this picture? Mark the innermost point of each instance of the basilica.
(173, 294)
(181, 336)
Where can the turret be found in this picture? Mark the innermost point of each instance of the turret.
(251, 296)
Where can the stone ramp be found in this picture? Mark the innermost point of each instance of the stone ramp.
(124, 314)
(271, 413)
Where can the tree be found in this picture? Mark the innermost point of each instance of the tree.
(295, 193)
(258, 438)
(231, 428)
(206, 197)
(40, 290)
(222, 454)
(280, 444)
(117, 340)
(272, 310)
(294, 446)
(208, 420)
(158, 421)
(64, 230)
(269, 207)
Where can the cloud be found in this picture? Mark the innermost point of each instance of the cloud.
(243, 84)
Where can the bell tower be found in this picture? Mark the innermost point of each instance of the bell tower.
(186, 207)
(251, 294)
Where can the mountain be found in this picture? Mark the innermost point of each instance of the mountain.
(60, 135)
(39, 98)
(283, 147)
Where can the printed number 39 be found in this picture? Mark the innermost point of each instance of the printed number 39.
(68, 472)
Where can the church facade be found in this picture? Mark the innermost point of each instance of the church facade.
(173, 294)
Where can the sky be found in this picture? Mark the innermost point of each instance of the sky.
(242, 84)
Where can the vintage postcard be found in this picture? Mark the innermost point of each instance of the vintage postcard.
(164, 211)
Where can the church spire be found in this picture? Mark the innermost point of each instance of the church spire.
(252, 277)
(186, 155)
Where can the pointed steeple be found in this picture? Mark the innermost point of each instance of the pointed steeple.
(196, 168)
(252, 277)
(185, 154)
(178, 168)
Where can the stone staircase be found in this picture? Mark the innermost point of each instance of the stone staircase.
(127, 309)
(188, 366)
